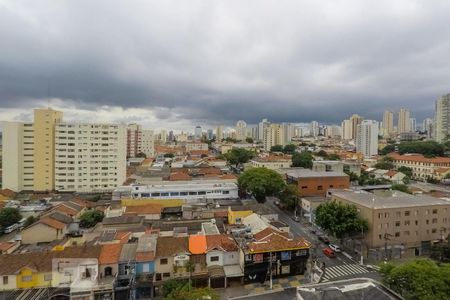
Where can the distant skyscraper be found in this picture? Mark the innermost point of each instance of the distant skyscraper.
(367, 138)
(163, 136)
(219, 133)
(314, 128)
(355, 120)
(171, 136)
(261, 126)
(241, 130)
(210, 134)
(388, 123)
(403, 121)
(412, 124)
(289, 132)
(442, 117)
(346, 130)
(428, 127)
(273, 135)
(198, 132)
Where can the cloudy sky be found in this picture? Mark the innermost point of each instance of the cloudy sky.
(180, 63)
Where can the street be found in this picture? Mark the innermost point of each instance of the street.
(336, 268)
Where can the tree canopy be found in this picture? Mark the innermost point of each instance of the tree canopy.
(303, 160)
(177, 289)
(261, 182)
(427, 148)
(238, 156)
(249, 140)
(9, 216)
(418, 279)
(401, 187)
(385, 163)
(276, 148)
(91, 218)
(289, 196)
(30, 220)
(340, 219)
(289, 148)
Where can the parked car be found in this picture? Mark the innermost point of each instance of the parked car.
(334, 247)
(329, 252)
(324, 239)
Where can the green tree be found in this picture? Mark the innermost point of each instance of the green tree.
(30, 220)
(441, 251)
(333, 156)
(238, 156)
(401, 187)
(340, 219)
(322, 153)
(90, 218)
(141, 155)
(289, 196)
(9, 216)
(385, 163)
(352, 175)
(289, 149)
(249, 140)
(276, 148)
(405, 170)
(304, 160)
(261, 182)
(418, 279)
(173, 285)
(387, 149)
(427, 148)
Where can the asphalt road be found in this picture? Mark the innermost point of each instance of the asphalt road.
(300, 230)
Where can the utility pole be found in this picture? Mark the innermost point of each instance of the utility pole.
(271, 270)
(362, 241)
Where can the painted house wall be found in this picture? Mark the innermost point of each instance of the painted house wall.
(11, 285)
(231, 258)
(114, 267)
(37, 279)
(167, 268)
(140, 266)
(41, 233)
(214, 253)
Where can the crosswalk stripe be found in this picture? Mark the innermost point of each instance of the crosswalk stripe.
(351, 270)
(344, 270)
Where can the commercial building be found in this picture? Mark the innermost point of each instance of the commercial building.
(367, 138)
(442, 117)
(310, 183)
(400, 224)
(190, 191)
(90, 157)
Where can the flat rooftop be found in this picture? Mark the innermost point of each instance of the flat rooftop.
(307, 173)
(390, 200)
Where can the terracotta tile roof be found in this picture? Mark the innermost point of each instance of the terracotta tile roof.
(42, 261)
(420, 158)
(222, 242)
(179, 176)
(145, 256)
(110, 254)
(123, 236)
(197, 244)
(144, 209)
(2, 204)
(52, 223)
(65, 210)
(8, 193)
(147, 161)
(199, 152)
(390, 173)
(268, 231)
(276, 241)
(4, 246)
(228, 176)
(442, 170)
(221, 214)
(170, 246)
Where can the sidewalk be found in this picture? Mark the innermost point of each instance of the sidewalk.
(278, 284)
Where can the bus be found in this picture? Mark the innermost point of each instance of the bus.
(11, 228)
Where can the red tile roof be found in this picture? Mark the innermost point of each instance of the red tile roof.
(420, 158)
(110, 254)
(179, 176)
(222, 242)
(145, 256)
(52, 223)
(271, 240)
(8, 193)
(144, 209)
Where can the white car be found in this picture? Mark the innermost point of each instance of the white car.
(335, 248)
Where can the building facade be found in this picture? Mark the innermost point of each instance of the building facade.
(388, 123)
(367, 138)
(90, 157)
(403, 121)
(442, 117)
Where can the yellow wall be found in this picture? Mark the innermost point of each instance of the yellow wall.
(163, 202)
(233, 215)
(38, 279)
(44, 148)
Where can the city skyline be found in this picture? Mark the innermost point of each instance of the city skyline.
(216, 63)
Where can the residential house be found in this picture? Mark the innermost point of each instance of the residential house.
(8, 247)
(127, 270)
(199, 270)
(145, 266)
(149, 211)
(222, 259)
(172, 258)
(45, 230)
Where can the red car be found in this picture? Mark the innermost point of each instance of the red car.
(329, 252)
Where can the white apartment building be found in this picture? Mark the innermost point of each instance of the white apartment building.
(388, 123)
(273, 135)
(147, 144)
(139, 141)
(442, 117)
(367, 138)
(314, 128)
(89, 157)
(241, 130)
(196, 146)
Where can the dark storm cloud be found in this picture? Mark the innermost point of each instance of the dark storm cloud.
(220, 61)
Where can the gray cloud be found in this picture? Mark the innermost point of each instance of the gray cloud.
(220, 61)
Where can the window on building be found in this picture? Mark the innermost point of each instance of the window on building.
(428, 222)
(5, 280)
(380, 237)
(386, 215)
(163, 261)
(435, 211)
(407, 223)
(397, 234)
(214, 258)
(27, 278)
(416, 222)
(434, 221)
(47, 277)
(398, 214)
(165, 275)
(397, 223)
(434, 230)
(407, 213)
(158, 276)
(320, 187)
(304, 187)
